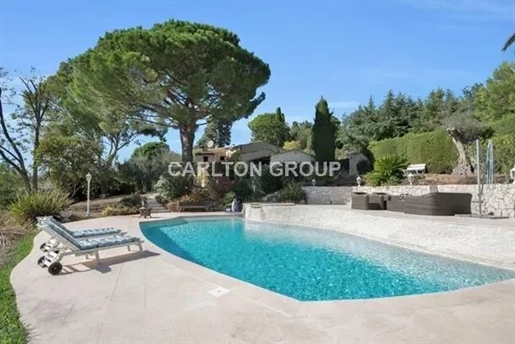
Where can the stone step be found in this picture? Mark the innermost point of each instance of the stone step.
(156, 206)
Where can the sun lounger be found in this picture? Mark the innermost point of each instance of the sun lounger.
(78, 234)
(72, 246)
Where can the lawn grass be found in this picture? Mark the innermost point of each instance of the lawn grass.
(11, 328)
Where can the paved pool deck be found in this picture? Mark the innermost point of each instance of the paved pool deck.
(155, 297)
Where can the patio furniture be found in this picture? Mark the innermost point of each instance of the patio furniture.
(417, 168)
(438, 203)
(71, 246)
(204, 205)
(395, 203)
(377, 201)
(78, 234)
(360, 200)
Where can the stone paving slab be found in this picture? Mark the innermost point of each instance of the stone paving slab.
(155, 297)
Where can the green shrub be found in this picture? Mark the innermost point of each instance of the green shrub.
(132, 201)
(28, 206)
(267, 182)
(116, 211)
(292, 192)
(216, 188)
(242, 189)
(173, 187)
(162, 200)
(435, 149)
(387, 170)
(228, 197)
(197, 195)
(11, 229)
(10, 185)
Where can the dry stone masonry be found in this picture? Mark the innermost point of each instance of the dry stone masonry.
(498, 199)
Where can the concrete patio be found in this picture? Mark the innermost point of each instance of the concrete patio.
(155, 297)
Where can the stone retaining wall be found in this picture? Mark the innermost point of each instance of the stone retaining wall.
(463, 238)
(327, 194)
(498, 199)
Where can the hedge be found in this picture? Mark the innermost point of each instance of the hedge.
(504, 126)
(435, 149)
(504, 153)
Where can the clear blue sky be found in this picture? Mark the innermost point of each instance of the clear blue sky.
(343, 50)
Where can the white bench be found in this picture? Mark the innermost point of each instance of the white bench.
(417, 168)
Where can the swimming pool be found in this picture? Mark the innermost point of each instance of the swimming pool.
(310, 264)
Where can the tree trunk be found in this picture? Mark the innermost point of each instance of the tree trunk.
(26, 183)
(463, 167)
(187, 132)
(35, 165)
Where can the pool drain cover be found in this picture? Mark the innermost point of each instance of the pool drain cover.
(218, 291)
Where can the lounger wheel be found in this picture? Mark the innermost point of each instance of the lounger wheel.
(55, 268)
(41, 261)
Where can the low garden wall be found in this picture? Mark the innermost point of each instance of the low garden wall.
(327, 194)
(498, 199)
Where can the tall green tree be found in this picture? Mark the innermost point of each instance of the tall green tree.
(84, 114)
(271, 128)
(151, 149)
(324, 133)
(22, 129)
(218, 131)
(179, 73)
(66, 160)
(496, 100)
(360, 127)
(146, 164)
(301, 132)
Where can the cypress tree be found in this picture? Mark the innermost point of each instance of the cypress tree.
(324, 133)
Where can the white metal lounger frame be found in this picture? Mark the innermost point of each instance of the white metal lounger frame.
(54, 243)
(53, 258)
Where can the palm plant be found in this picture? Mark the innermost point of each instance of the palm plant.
(509, 42)
(388, 170)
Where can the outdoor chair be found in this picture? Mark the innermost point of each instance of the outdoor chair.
(78, 234)
(377, 201)
(439, 204)
(360, 200)
(85, 247)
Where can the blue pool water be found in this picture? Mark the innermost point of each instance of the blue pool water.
(311, 264)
